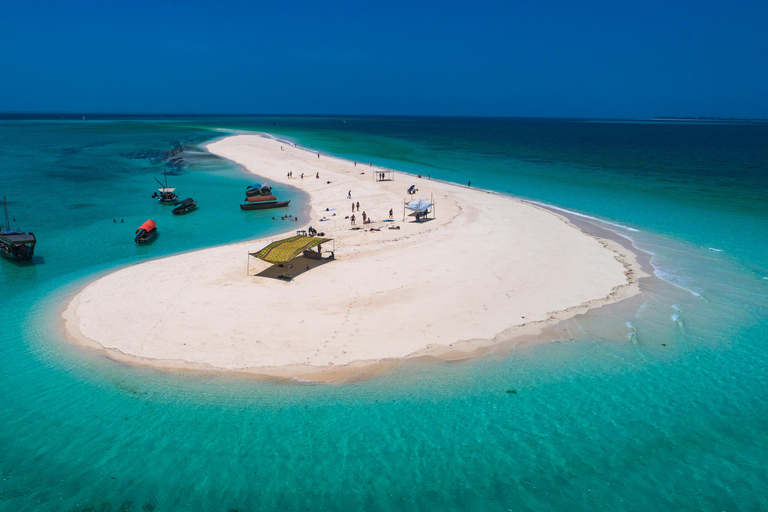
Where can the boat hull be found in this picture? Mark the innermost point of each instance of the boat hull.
(146, 237)
(264, 206)
(17, 246)
(17, 253)
(183, 211)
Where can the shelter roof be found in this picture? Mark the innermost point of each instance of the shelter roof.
(14, 237)
(147, 226)
(419, 205)
(284, 250)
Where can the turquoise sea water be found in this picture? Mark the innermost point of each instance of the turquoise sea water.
(671, 414)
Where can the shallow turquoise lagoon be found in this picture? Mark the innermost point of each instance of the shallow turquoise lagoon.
(669, 414)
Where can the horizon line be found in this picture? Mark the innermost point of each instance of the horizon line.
(353, 116)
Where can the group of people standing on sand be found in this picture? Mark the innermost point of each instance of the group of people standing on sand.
(366, 218)
(356, 206)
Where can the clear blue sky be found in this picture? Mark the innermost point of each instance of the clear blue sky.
(515, 58)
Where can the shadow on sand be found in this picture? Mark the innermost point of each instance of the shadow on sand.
(292, 269)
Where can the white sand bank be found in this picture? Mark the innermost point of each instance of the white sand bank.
(485, 266)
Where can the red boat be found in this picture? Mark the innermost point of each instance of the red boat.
(146, 232)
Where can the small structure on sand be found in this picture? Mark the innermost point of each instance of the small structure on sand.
(384, 175)
(419, 208)
(282, 251)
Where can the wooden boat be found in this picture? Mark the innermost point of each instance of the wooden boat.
(260, 199)
(184, 207)
(258, 190)
(14, 244)
(264, 205)
(166, 195)
(146, 232)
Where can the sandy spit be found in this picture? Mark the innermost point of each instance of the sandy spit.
(487, 268)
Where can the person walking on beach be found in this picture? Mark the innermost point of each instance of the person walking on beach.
(317, 175)
(318, 155)
(390, 214)
(353, 206)
(352, 219)
(302, 175)
(358, 206)
(349, 195)
(355, 163)
(469, 183)
(364, 217)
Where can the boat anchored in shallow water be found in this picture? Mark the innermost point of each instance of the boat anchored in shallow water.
(184, 207)
(14, 244)
(146, 232)
(264, 189)
(262, 203)
(166, 194)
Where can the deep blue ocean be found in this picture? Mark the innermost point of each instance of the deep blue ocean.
(670, 414)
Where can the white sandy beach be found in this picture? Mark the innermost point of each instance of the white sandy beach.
(485, 269)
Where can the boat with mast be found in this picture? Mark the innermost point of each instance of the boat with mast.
(164, 194)
(15, 244)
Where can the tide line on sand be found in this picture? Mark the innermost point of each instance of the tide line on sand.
(486, 267)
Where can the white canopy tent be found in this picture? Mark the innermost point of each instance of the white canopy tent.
(420, 208)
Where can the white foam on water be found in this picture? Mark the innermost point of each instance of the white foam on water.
(303, 381)
(715, 250)
(571, 212)
(672, 279)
